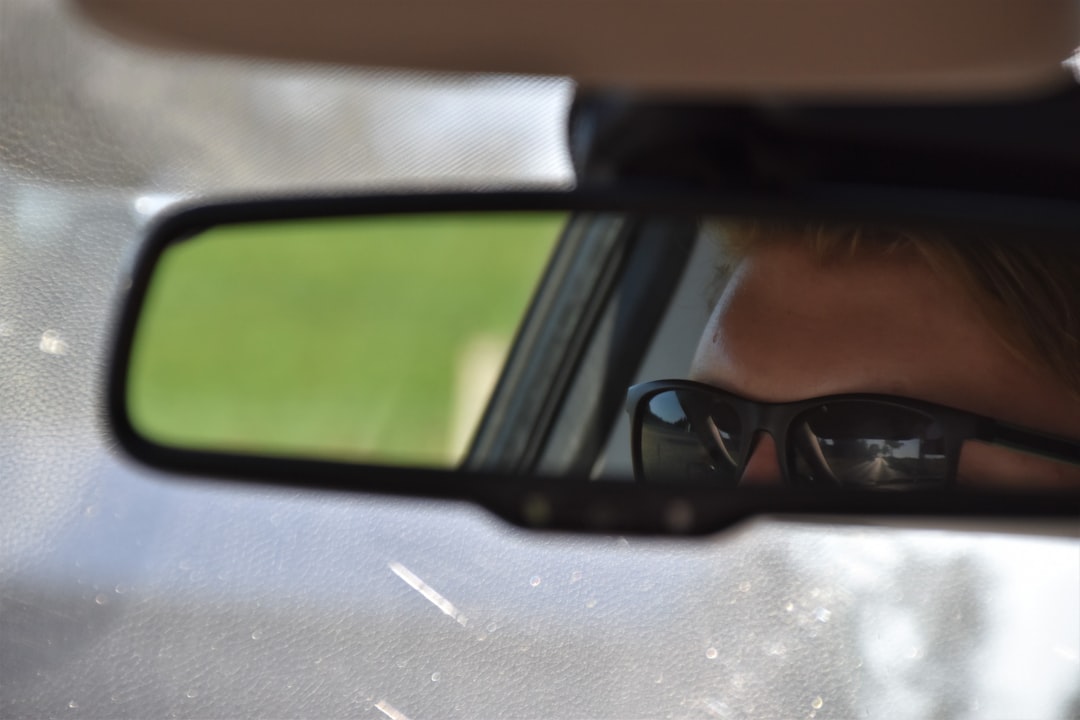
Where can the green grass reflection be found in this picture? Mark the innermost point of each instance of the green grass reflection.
(345, 338)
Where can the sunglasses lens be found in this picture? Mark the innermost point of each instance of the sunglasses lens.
(688, 436)
(867, 444)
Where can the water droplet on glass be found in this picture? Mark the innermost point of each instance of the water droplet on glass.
(121, 589)
(711, 653)
(101, 599)
(822, 615)
(718, 708)
(744, 586)
(817, 702)
(575, 576)
(73, 705)
(91, 511)
(436, 677)
(150, 204)
(492, 627)
(52, 344)
(191, 694)
(790, 606)
(590, 603)
(256, 634)
(534, 580)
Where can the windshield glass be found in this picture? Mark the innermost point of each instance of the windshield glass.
(126, 594)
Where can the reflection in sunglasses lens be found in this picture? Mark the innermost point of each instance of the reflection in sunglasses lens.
(867, 444)
(689, 437)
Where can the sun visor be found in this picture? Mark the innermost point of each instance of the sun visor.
(958, 48)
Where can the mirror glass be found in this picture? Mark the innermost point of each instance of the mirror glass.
(366, 339)
(826, 355)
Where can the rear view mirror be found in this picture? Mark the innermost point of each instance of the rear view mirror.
(354, 344)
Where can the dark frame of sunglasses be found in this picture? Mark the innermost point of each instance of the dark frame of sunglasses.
(777, 419)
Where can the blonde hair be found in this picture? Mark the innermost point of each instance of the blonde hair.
(1028, 292)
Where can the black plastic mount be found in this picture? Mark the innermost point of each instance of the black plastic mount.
(1027, 148)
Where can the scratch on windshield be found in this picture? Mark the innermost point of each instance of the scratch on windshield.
(389, 710)
(430, 593)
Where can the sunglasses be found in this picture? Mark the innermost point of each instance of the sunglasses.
(689, 432)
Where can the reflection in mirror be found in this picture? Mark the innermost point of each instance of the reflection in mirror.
(836, 356)
(866, 357)
(366, 339)
(697, 434)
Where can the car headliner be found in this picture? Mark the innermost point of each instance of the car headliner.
(893, 48)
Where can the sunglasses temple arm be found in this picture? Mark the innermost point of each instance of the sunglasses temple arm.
(1022, 440)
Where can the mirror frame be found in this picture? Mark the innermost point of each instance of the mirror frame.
(576, 503)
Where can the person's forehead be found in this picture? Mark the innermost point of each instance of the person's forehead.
(789, 326)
